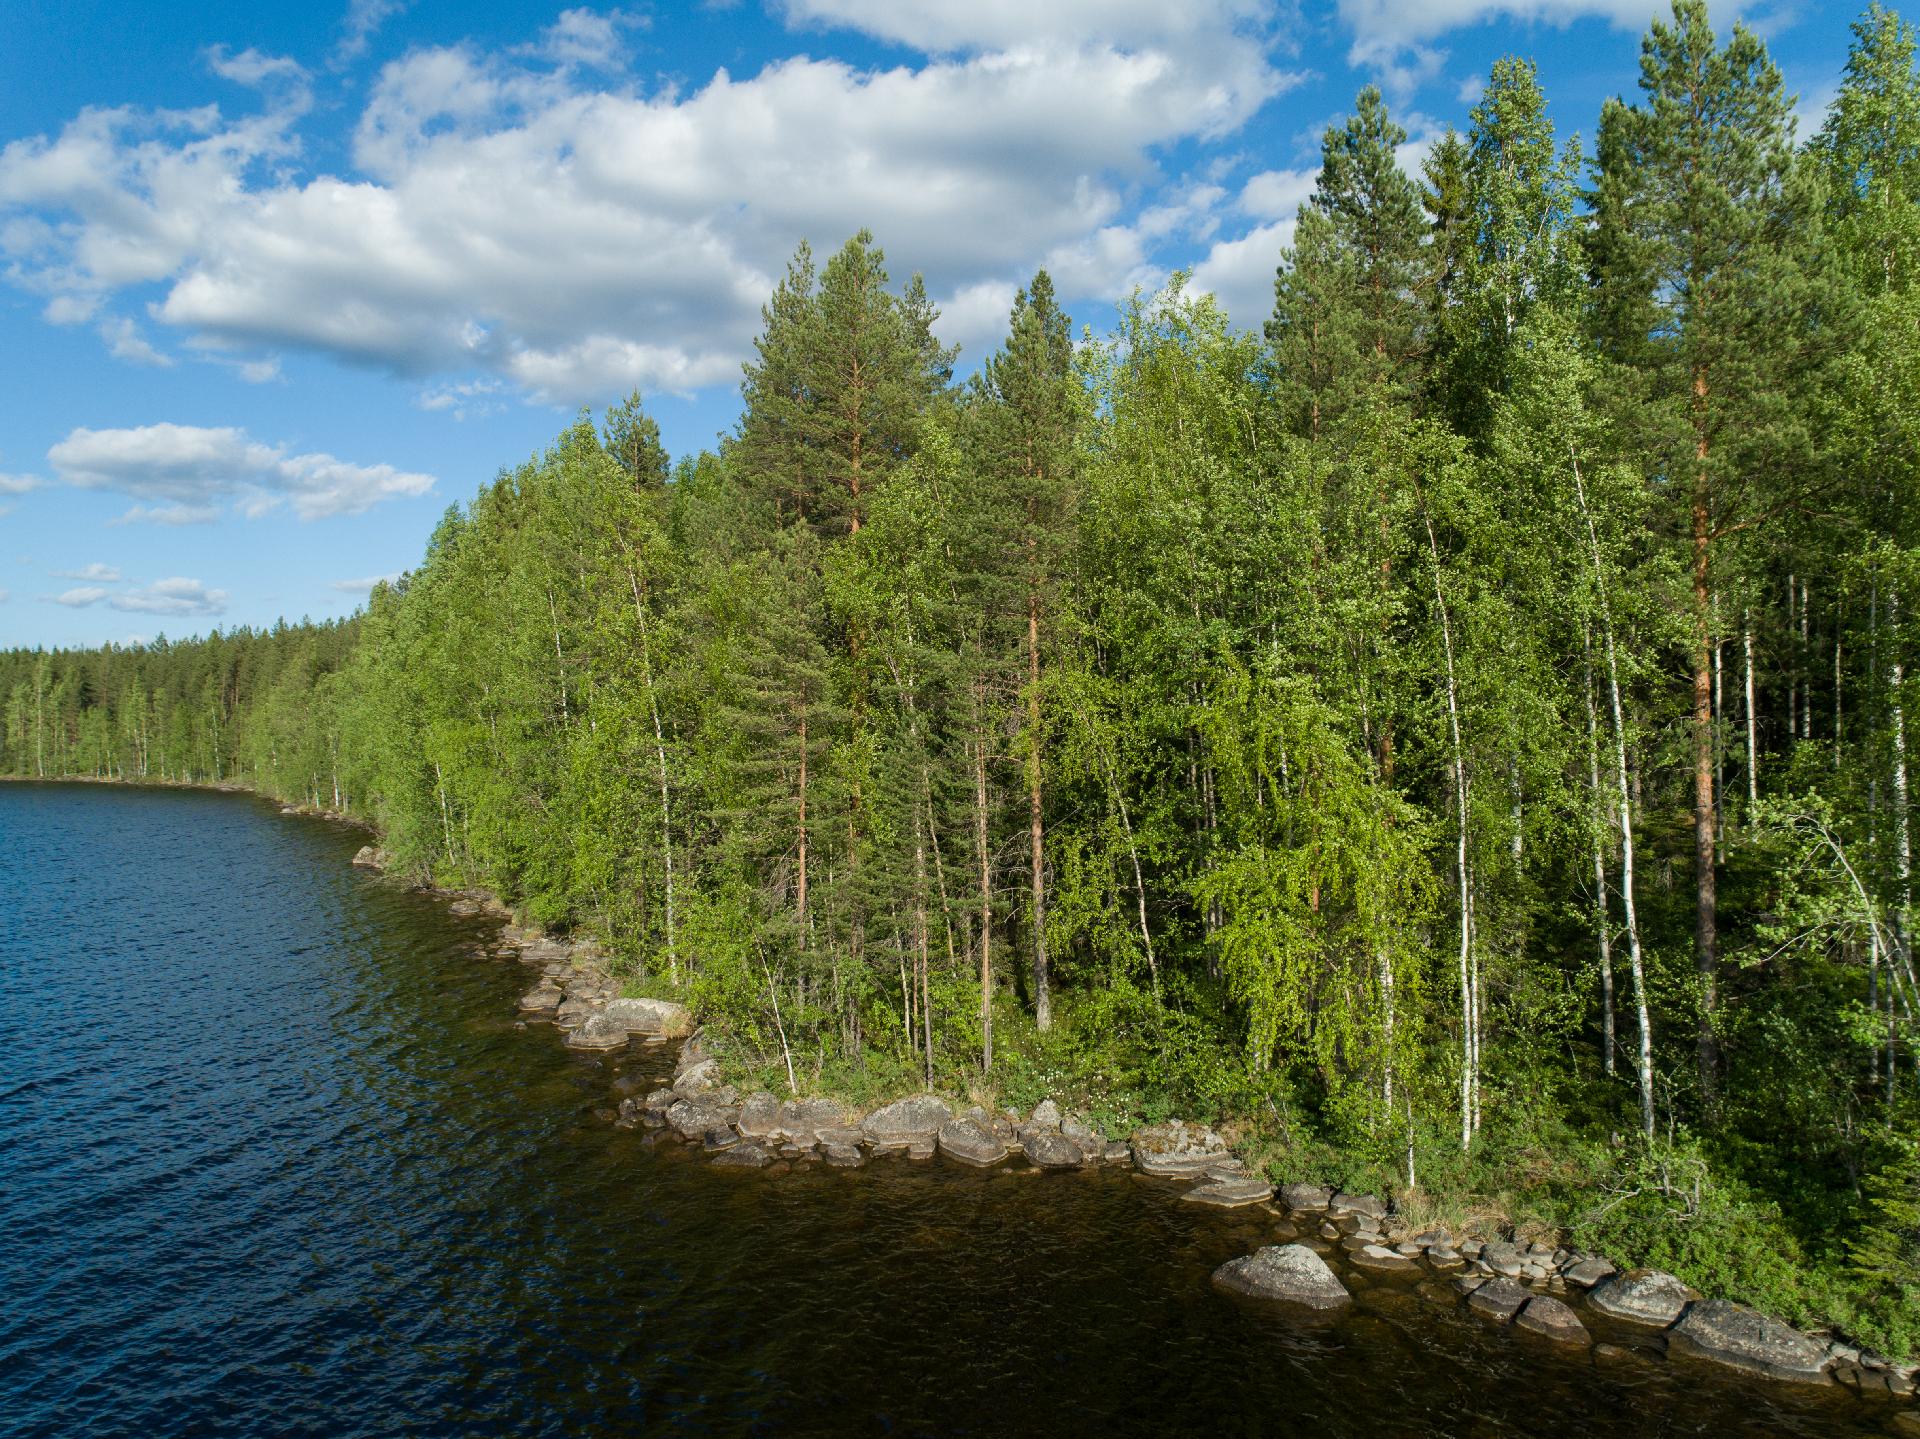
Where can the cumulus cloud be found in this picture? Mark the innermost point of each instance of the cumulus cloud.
(507, 219)
(18, 484)
(188, 470)
(171, 597)
(97, 573)
(1391, 36)
(124, 342)
(364, 586)
(80, 596)
(1238, 273)
(591, 38)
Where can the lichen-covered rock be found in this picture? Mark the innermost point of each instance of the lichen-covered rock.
(1176, 1149)
(1289, 1273)
(759, 1115)
(1093, 1144)
(1369, 1206)
(1743, 1338)
(917, 1117)
(1548, 1317)
(574, 1011)
(1588, 1270)
(1641, 1296)
(1051, 1150)
(698, 1079)
(971, 1142)
(652, 1016)
(1308, 1198)
(1046, 1115)
(370, 857)
(1378, 1259)
(598, 1032)
(692, 1118)
(803, 1120)
(542, 998)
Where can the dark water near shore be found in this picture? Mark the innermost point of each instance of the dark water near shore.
(275, 1159)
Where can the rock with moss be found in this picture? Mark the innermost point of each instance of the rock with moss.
(1285, 1273)
(1743, 1338)
(971, 1142)
(917, 1117)
(1641, 1296)
(661, 1018)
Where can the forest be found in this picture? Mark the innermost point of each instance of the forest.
(1456, 736)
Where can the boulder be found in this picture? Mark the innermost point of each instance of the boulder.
(1499, 1299)
(1046, 1115)
(1588, 1271)
(1641, 1296)
(1503, 1259)
(917, 1117)
(574, 1011)
(1372, 1206)
(542, 998)
(744, 1155)
(1311, 1198)
(701, 1078)
(1093, 1144)
(845, 1156)
(1743, 1338)
(1231, 1193)
(370, 857)
(692, 1118)
(971, 1142)
(1176, 1150)
(718, 1139)
(1289, 1273)
(1048, 1149)
(652, 1016)
(598, 1032)
(760, 1115)
(1547, 1316)
(803, 1120)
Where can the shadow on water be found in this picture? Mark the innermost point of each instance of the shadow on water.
(276, 1158)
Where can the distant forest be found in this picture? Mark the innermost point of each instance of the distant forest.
(1459, 734)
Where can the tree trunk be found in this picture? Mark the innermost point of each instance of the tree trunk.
(1602, 919)
(1042, 979)
(1706, 932)
(985, 857)
(1469, 1026)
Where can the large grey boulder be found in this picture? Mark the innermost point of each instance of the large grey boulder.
(1310, 1198)
(1176, 1149)
(543, 997)
(1093, 1144)
(697, 1079)
(1369, 1206)
(905, 1120)
(1051, 1150)
(1743, 1338)
(1290, 1273)
(1046, 1115)
(1499, 1299)
(744, 1155)
(803, 1120)
(692, 1118)
(1641, 1296)
(660, 1017)
(597, 1032)
(370, 857)
(759, 1115)
(971, 1142)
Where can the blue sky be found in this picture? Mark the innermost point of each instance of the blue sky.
(280, 283)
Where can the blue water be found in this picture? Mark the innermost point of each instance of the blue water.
(276, 1158)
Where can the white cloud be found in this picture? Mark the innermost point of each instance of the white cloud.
(589, 37)
(18, 484)
(1385, 31)
(463, 399)
(172, 597)
(363, 21)
(1278, 194)
(1239, 273)
(190, 469)
(253, 68)
(98, 573)
(167, 515)
(124, 342)
(80, 596)
(509, 220)
(364, 586)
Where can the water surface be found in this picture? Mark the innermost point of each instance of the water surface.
(276, 1158)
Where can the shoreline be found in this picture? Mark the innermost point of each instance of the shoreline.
(1579, 1304)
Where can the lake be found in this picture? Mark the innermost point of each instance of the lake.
(276, 1157)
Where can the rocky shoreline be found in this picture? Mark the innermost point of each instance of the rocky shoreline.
(1324, 1243)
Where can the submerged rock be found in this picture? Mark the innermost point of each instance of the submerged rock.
(1499, 1299)
(652, 1016)
(971, 1142)
(1641, 1296)
(744, 1155)
(1743, 1338)
(916, 1117)
(1290, 1273)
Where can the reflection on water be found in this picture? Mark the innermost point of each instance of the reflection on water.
(276, 1158)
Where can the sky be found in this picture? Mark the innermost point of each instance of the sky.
(278, 284)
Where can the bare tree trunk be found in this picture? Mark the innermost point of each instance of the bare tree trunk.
(1469, 1017)
(1806, 670)
(1635, 958)
(1902, 842)
(1602, 918)
(800, 881)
